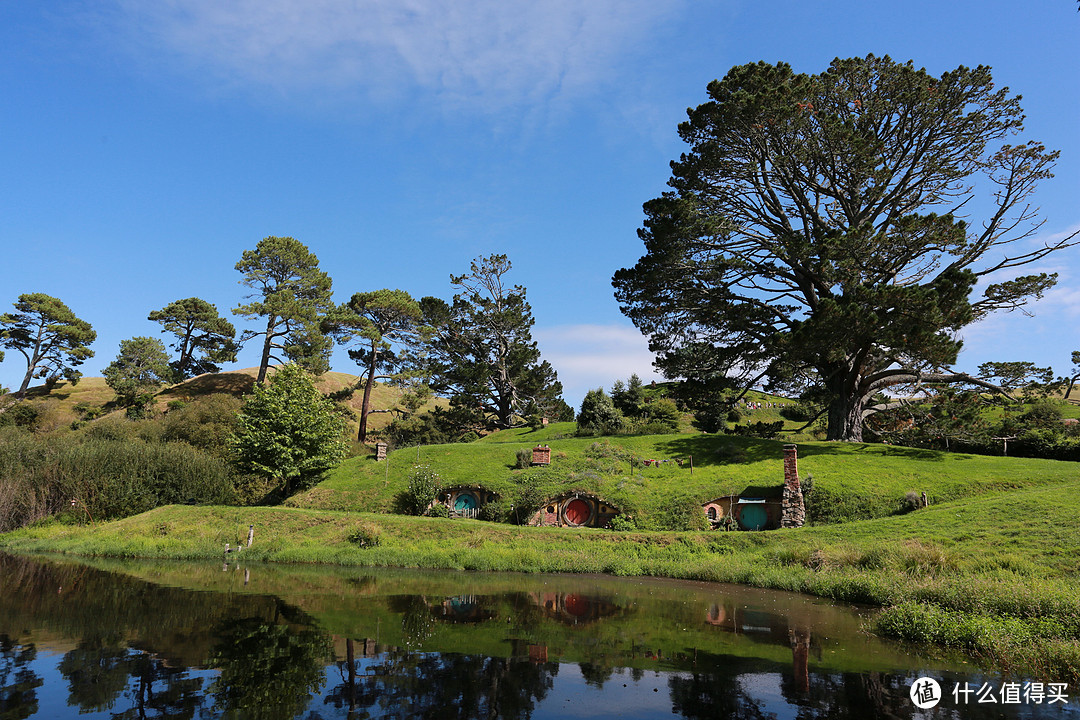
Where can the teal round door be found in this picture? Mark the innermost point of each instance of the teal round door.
(752, 517)
(465, 501)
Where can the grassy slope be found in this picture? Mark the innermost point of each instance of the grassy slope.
(998, 575)
(58, 405)
(854, 480)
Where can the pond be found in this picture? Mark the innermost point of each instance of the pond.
(133, 639)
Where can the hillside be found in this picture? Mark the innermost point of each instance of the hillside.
(58, 407)
(851, 481)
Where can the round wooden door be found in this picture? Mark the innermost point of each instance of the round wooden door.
(465, 502)
(578, 512)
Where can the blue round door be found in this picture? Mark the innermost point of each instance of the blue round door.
(465, 501)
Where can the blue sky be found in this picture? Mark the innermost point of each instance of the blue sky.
(146, 145)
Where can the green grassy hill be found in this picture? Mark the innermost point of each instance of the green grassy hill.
(851, 481)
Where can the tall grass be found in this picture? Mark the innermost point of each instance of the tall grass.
(101, 479)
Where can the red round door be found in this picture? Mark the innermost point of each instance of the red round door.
(577, 512)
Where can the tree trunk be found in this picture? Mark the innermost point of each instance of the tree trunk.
(25, 383)
(1072, 382)
(266, 349)
(845, 415)
(31, 364)
(365, 405)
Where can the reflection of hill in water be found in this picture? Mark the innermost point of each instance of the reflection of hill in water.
(592, 619)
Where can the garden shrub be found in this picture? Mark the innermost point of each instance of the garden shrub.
(423, 488)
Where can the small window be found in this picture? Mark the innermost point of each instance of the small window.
(551, 508)
(712, 513)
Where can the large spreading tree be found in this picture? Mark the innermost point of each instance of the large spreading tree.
(481, 353)
(377, 326)
(203, 338)
(292, 294)
(829, 230)
(48, 334)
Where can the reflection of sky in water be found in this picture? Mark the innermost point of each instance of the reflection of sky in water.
(571, 697)
(765, 688)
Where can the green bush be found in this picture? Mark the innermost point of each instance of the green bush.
(423, 488)
(438, 510)
(524, 458)
(206, 423)
(366, 536)
(598, 411)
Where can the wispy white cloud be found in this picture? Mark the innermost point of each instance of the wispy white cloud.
(591, 356)
(488, 54)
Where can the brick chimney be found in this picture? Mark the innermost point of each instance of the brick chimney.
(793, 510)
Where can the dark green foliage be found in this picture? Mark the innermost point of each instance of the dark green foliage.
(288, 431)
(629, 399)
(430, 428)
(24, 415)
(438, 510)
(481, 353)
(809, 236)
(204, 339)
(207, 423)
(662, 413)
(51, 338)
(798, 412)
(500, 510)
(598, 413)
(1043, 415)
(759, 429)
(293, 295)
(139, 369)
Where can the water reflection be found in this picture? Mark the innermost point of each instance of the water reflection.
(271, 642)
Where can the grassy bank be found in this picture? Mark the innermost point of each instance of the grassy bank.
(995, 575)
(851, 480)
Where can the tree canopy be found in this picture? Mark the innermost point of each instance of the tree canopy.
(814, 236)
(141, 367)
(482, 353)
(49, 335)
(292, 294)
(288, 431)
(203, 338)
(378, 325)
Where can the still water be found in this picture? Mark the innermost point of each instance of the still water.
(132, 639)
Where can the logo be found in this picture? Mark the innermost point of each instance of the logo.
(925, 693)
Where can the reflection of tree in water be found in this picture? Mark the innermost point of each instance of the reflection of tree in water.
(714, 695)
(268, 670)
(18, 682)
(595, 675)
(422, 685)
(98, 670)
(161, 691)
